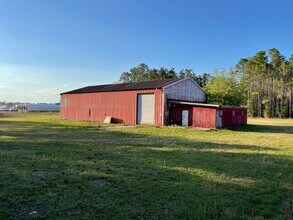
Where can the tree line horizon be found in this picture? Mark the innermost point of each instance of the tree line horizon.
(263, 83)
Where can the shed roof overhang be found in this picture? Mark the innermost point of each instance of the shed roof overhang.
(192, 103)
(202, 104)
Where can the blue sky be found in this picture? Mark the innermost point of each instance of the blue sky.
(51, 46)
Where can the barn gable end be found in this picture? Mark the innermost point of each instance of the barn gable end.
(185, 90)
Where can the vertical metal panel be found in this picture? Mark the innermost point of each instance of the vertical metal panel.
(121, 105)
(204, 117)
(234, 117)
(158, 107)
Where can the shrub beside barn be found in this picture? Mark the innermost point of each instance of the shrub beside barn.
(158, 102)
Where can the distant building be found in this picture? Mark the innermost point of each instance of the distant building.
(38, 107)
(5, 108)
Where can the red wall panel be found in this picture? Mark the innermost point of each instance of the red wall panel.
(121, 105)
(175, 112)
(198, 116)
(204, 117)
(234, 117)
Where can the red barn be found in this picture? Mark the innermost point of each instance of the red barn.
(158, 102)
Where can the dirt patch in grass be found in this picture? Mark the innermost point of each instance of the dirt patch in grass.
(98, 182)
(288, 207)
(9, 114)
(118, 127)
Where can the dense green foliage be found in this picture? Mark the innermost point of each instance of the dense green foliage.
(268, 84)
(53, 169)
(224, 88)
(143, 73)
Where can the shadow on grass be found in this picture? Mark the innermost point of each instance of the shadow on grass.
(265, 129)
(49, 167)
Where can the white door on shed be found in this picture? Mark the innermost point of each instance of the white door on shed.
(145, 109)
(185, 118)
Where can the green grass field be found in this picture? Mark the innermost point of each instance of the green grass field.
(60, 169)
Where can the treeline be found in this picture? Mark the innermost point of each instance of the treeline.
(263, 83)
(267, 80)
(143, 73)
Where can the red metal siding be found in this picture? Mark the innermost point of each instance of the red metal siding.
(198, 116)
(175, 112)
(166, 113)
(204, 117)
(230, 119)
(122, 106)
(158, 107)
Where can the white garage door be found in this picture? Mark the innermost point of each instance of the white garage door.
(145, 109)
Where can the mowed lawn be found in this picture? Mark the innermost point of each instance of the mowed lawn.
(60, 169)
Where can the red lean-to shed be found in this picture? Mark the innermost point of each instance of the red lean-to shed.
(158, 102)
(206, 115)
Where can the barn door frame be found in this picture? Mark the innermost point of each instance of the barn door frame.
(137, 103)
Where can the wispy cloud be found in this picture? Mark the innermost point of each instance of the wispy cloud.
(2, 86)
(42, 84)
(19, 74)
(4, 92)
(44, 93)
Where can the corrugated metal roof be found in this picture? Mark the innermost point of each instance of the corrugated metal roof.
(154, 84)
(204, 104)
